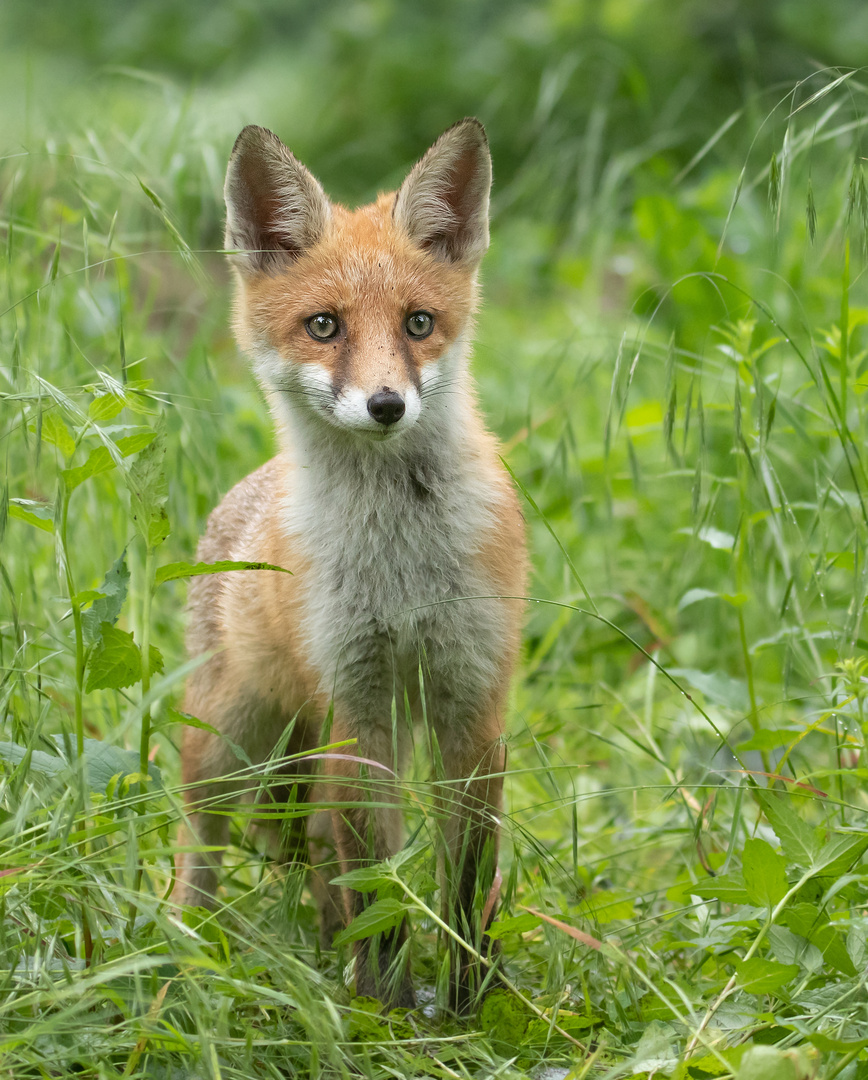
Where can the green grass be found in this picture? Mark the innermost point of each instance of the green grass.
(674, 355)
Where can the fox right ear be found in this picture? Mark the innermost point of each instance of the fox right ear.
(275, 208)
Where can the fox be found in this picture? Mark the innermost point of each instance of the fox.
(391, 509)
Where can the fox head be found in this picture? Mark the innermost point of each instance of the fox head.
(357, 320)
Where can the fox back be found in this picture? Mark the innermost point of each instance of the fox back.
(388, 504)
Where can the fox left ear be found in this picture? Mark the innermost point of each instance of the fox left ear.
(443, 203)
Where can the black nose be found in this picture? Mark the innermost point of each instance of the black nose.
(386, 407)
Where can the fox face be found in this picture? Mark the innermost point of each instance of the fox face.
(357, 320)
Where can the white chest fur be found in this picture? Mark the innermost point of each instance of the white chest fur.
(393, 536)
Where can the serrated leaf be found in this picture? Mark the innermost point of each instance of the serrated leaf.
(377, 918)
(764, 873)
(149, 490)
(34, 513)
(177, 570)
(107, 607)
(761, 976)
(100, 459)
(798, 840)
(117, 661)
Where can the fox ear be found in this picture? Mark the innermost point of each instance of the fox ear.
(443, 203)
(275, 208)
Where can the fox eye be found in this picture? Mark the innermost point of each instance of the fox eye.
(322, 326)
(419, 324)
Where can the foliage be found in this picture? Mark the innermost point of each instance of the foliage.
(673, 351)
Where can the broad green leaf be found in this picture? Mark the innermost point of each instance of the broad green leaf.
(812, 923)
(106, 608)
(716, 686)
(762, 976)
(838, 855)
(176, 570)
(149, 490)
(730, 888)
(55, 431)
(105, 407)
(377, 918)
(366, 878)
(104, 761)
(770, 1063)
(517, 924)
(117, 661)
(830, 1045)
(40, 761)
(100, 459)
(798, 840)
(764, 739)
(764, 873)
(608, 906)
(504, 1018)
(34, 513)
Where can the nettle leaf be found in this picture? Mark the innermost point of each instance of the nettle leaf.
(117, 661)
(761, 976)
(106, 608)
(377, 918)
(149, 490)
(177, 570)
(799, 841)
(764, 873)
(34, 513)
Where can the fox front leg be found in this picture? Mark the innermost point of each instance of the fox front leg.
(471, 805)
(366, 820)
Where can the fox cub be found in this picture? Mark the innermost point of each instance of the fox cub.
(390, 507)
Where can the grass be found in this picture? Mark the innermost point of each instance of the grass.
(675, 360)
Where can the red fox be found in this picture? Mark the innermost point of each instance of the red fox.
(389, 505)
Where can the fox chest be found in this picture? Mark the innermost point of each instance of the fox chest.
(397, 594)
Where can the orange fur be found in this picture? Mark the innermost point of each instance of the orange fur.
(390, 528)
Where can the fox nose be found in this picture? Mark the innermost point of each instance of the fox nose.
(386, 407)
